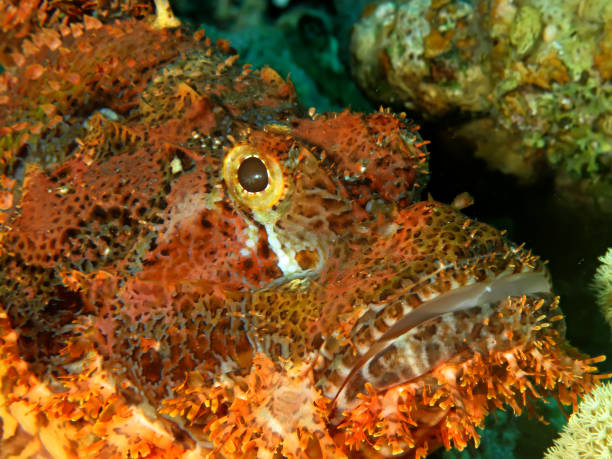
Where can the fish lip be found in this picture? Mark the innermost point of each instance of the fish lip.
(499, 287)
(495, 289)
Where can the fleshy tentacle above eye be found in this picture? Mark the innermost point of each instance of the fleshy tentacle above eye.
(377, 154)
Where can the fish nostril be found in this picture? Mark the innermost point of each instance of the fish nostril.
(307, 259)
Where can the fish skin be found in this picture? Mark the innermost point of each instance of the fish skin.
(153, 305)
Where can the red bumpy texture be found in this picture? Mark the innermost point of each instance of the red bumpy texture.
(153, 303)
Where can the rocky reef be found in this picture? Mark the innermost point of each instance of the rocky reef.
(528, 83)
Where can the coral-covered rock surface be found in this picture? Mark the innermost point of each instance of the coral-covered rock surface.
(191, 262)
(530, 81)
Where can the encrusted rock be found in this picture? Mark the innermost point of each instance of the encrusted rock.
(531, 80)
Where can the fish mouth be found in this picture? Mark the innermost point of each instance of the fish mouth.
(469, 296)
(439, 288)
(423, 337)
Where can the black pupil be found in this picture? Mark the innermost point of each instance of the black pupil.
(252, 175)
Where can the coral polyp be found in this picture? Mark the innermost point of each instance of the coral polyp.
(587, 434)
(602, 285)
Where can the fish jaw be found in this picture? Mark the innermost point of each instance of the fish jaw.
(445, 273)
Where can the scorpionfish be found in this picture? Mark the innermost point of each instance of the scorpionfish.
(194, 264)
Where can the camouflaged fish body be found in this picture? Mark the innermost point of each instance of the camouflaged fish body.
(193, 263)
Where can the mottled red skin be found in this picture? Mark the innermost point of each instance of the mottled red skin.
(123, 241)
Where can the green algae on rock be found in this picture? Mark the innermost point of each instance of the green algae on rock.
(531, 79)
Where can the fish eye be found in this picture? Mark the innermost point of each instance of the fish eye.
(253, 177)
